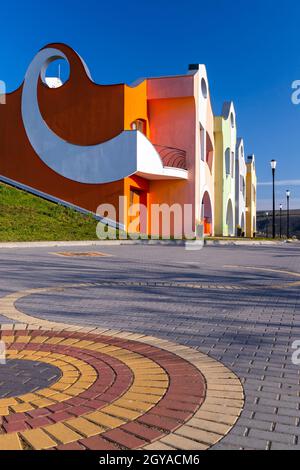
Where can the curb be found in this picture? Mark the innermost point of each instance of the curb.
(243, 243)
(183, 243)
(54, 244)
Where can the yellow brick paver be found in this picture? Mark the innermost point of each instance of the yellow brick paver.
(151, 390)
(29, 397)
(22, 408)
(4, 411)
(10, 442)
(142, 397)
(216, 417)
(127, 414)
(158, 445)
(46, 392)
(62, 433)
(42, 402)
(205, 437)
(22, 339)
(104, 420)
(39, 339)
(38, 439)
(182, 443)
(7, 402)
(60, 397)
(135, 405)
(84, 427)
(211, 426)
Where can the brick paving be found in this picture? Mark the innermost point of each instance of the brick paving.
(135, 386)
(249, 325)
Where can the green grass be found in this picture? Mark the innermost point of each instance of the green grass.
(24, 217)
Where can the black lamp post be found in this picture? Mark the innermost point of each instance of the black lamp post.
(267, 225)
(288, 194)
(280, 220)
(273, 166)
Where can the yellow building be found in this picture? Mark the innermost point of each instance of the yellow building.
(251, 183)
(225, 147)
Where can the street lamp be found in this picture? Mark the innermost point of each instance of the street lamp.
(267, 225)
(273, 166)
(280, 218)
(288, 194)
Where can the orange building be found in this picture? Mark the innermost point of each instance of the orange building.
(88, 145)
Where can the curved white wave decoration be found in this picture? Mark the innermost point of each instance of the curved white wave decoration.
(103, 163)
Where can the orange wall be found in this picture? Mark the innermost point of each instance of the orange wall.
(142, 185)
(172, 123)
(135, 105)
(80, 112)
(19, 162)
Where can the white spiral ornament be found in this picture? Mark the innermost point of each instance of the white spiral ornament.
(106, 162)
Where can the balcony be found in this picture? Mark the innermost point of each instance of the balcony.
(172, 157)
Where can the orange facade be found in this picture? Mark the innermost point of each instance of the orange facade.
(80, 112)
(88, 114)
(86, 144)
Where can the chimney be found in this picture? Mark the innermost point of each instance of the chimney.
(193, 66)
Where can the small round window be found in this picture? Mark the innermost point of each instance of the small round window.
(204, 88)
(56, 73)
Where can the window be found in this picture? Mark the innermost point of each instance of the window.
(232, 165)
(204, 88)
(242, 152)
(56, 73)
(227, 161)
(242, 185)
(202, 143)
(139, 125)
(209, 151)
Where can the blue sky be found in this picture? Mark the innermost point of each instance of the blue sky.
(251, 49)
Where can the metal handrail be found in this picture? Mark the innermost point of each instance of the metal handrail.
(172, 156)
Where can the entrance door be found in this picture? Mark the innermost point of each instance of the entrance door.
(135, 198)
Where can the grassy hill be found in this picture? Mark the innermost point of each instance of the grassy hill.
(262, 223)
(24, 217)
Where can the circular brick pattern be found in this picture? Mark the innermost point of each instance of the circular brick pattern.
(118, 390)
(18, 376)
(120, 394)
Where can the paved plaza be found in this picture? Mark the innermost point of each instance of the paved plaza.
(152, 347)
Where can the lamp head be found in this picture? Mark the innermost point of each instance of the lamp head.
(288, 193)
(273, 164)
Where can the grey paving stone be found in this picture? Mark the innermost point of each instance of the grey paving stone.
(19, 376)
(279, 446)
(284, 428)
(272, 436)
